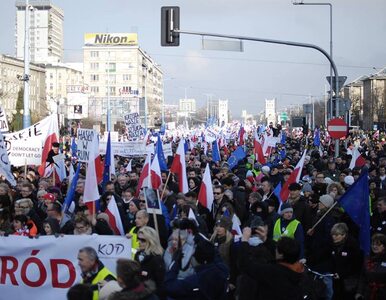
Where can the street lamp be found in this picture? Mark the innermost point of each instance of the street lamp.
(295, 2)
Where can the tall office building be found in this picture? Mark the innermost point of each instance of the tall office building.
(270, 111)
(117, 70)
(46, 31)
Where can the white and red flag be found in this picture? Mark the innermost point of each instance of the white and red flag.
(179, 167)
(357, 159)
(52, 136)
(114, 217)
(155, 173)
(144, 179)
(294, 177)
(205, 196)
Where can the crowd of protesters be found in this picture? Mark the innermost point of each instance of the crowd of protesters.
(280, 254)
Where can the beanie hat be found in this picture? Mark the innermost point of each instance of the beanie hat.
(286, 207)
(349, 180)
(256, 222)
(326, 200)
(307, 187)
(49, 196)
(225, 222)
(104, 217)
(265, 169)
(294, 186)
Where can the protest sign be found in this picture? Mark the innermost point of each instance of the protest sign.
(85, 143)
(3, 120)
(47, 267)
(5, 165)
(133, 126)
(125, 149)
(23, 153)
(167, 149)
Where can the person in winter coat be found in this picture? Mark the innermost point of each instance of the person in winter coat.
(209, 281)
(281, 280)
(222, 239)
(347, 260)
(130, 279)
(288, 226)
(149, 255)
(180, 238)
(51, 226)
(372, 283)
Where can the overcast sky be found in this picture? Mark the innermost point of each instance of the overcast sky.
(244, 78)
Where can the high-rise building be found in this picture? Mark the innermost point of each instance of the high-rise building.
(117, 69)
(46, 31)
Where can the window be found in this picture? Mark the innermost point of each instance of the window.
(111, 67)
(94, 66)
(94, 77)
(112, 91)
(94, 54)
(126, 77)
(51, 86)
(51, 76)
(95, 89)
(111, 79)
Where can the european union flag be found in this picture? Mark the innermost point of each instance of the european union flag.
(283, 137)
(316, 137)
(74, 148)
(186, 146)
(160, 154)
(71, 193)
(283, 154)
(355, 202)
(237, 155)
(215, 152)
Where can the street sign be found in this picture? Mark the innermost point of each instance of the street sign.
(344, 106)
(337, 128)
(341, 81)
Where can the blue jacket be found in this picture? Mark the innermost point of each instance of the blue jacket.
(208, 283)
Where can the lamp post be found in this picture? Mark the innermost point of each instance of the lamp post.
(145, 67)
(331, 81)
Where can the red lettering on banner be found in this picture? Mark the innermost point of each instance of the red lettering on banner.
(8, 271)
(39, 264)
(54, 270)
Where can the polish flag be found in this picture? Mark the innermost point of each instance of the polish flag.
(128, 167)
(236, 227)
(357, 159)
(155, 173)
(241, 136)
(205, 196)
(52, 137)
(259, 152)
(91, 192)
(144, 179)
(179, 167)
(114, 217)
(294, 177)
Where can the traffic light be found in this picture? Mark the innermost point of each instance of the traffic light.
(170, 20)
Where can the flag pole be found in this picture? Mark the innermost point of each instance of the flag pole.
(322, 217)
(165, 185)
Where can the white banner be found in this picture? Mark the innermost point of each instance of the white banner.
(3, 120)
(167, 148)
(45, 268)
(132, 148)
(85, 143)
(23, 152)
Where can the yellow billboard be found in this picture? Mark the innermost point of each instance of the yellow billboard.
(127, 39)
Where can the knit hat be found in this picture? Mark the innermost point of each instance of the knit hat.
(326, 200)
(225, 222)
(265, 169)
(286, 207)
(307, 188)
(49, 196)
(349, 180)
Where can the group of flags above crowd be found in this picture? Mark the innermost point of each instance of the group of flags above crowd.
(98, 171)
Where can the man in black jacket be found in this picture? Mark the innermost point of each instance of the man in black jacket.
(281, 280)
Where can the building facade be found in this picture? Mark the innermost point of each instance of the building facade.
(46, 31)
(11, 69)
(218, 111)
(118, 71)
(270, 111)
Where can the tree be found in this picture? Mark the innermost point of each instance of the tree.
(17, 120)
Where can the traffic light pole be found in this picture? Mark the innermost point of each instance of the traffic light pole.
(271, 41)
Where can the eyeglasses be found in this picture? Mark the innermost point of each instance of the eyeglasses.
(23, 207)
(216, 193)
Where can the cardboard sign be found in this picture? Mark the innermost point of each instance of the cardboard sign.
(22, 152)
(85, 143)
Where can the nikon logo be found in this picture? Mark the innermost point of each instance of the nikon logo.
(110, 39)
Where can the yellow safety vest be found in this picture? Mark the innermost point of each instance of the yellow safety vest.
(289, 230)
(134, 242)
(101, 275)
